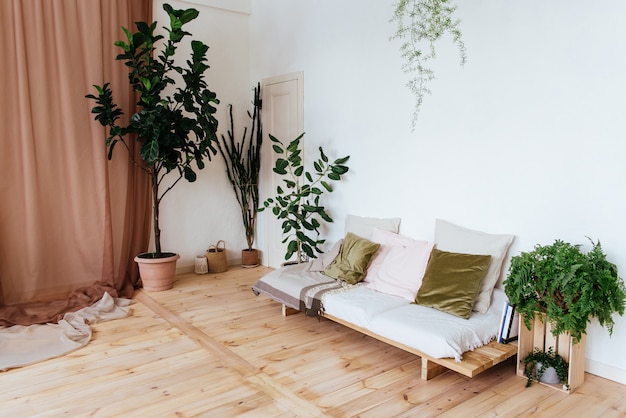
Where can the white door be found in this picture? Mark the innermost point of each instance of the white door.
(282, 116)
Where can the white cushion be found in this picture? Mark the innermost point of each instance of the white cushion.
(364, 227)
(455, 238)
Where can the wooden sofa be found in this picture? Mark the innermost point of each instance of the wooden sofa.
(444, 341)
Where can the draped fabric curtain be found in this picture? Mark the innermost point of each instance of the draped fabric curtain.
(71, 221)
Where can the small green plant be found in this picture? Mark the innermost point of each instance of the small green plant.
(537, 362)
(420, 24)
(566, 284)
(298, 204)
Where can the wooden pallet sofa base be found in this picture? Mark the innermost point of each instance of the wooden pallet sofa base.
(473, 363)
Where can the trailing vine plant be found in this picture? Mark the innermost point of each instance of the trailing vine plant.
(420, 24)
(537, 362)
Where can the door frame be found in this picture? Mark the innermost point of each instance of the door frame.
(270, 233)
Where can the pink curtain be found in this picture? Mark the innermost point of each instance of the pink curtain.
(70, 220)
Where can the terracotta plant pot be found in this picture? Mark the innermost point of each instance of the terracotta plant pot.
(157, 273)
(249, 258)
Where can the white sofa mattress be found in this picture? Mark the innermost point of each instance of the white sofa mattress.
(435, 333)
(360, 305)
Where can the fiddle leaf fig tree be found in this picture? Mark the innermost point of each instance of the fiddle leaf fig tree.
(175, 122)
(566, 284)
(297, 202)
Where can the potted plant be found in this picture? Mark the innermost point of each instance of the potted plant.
(298, 204)
(545, 366)
(243, 162)
(557, 289)
(175, 124)
(566, 284)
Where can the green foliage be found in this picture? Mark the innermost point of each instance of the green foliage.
(569, 286)
(420, 24)
(243, 162)
(298, 203)
(174, 131)
(546, 360)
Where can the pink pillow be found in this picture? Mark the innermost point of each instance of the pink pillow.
(399, 266)
(387, 240)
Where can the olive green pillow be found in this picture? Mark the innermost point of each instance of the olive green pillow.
(354, 257)
(452, 281)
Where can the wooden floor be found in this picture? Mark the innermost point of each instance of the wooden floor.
(209, 347)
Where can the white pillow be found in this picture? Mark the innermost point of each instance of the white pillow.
(455, 238)
(398, 267)
(363, 227)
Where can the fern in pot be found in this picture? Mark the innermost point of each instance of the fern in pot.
(565, 287)
(566, 284)
(175, 130)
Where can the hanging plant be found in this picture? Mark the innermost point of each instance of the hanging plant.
(421, 23)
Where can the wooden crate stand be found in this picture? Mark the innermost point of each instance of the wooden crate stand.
(540, 336)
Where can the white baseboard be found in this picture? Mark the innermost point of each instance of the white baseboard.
(606, 371)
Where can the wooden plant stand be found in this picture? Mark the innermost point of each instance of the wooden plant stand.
(540, 336)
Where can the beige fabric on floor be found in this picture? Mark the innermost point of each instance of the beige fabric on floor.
(23, 345)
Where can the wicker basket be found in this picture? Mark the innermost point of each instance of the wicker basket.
(216, 256)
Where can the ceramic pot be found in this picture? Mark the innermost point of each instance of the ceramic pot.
(549, 375)
(157, 274)
(249, 258)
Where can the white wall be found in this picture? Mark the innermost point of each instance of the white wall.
(195, 215)
(528, 138)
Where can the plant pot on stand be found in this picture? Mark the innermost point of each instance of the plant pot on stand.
(157, 274)
(557, 289)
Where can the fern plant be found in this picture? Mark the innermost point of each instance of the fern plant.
(420, 24)
(566, 284)
(298, 203)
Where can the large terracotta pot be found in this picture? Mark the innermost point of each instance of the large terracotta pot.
(249, 258)
(157, 273)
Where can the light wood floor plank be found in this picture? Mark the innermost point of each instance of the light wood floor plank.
(210, 348)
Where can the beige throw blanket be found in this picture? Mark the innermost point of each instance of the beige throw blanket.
(23, 345)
